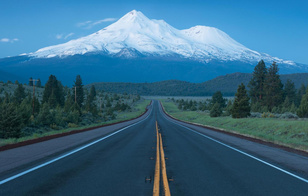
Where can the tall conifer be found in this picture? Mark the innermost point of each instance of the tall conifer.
(273, 88)
(79, 90)
(256, 84)
(241, 107)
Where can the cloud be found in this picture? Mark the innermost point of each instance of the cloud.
(9, 40)
(89, 24)
(82, 24)
(62, 36)
(68, 35)
(59, 36)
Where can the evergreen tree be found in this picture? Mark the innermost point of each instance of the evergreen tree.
(52, 101)
(90, 105)
(216, 110)
(78, 86)
(257, 83)
(273, 88)
(39, 83)
(45, 117)
(303, 108)
(290, 91)
(69, 102)
(92, 94)
(31, 81)
(19, 94)
(25, 110)
(10, 121)
(229, 108)
(53, 92)
(301, 91)
(217, 98)
(241, 107)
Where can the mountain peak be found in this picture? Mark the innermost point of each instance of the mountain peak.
(133, 16)
(136, 32)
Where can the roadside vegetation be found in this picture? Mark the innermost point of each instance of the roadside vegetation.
(56, 109)
(268, 110)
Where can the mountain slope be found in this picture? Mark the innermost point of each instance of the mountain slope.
(156, 37)
(227, 84)
(137, 49)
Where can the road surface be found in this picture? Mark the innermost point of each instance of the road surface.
(124, 164)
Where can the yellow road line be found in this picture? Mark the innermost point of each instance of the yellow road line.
(163, 169)
(157, 166)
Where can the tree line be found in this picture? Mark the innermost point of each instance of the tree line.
(22, 114)
(265, 93)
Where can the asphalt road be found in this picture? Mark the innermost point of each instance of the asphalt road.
(119, 165)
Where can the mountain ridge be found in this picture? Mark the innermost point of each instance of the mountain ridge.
(147, 51)
(227, 84)
(156, 37)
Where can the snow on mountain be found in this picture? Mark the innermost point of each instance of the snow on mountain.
(134, 33)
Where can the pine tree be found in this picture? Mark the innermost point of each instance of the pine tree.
(53, 88)
(90, 106)
(19, 94)
(78, 86)
(257, 83)
(303, 108)
(241, 107)
(290, 91)
(273, 88)
(10, 121)
(216, 110)
(69, 102)
(92, 94)
(39, 83)
(229, 108)
(286, 106)
(217, 98)
(45, 117)
(301, 91)
(31, 81)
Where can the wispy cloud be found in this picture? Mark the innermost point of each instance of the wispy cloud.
(68, 35)
(9, 40)
(63, 36)
(89, 24)
(82, 24)
(59, 36)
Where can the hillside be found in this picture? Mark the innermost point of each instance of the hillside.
(227, 84)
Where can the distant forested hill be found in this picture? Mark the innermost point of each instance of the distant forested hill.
(227, 84)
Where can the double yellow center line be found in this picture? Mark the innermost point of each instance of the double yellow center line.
(160, 160)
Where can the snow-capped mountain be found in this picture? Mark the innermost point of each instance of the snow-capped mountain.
(137, 49)
(135, 34)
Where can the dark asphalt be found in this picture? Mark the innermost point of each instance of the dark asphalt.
(119, 165)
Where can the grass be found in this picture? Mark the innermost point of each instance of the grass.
(287, 132)
(137, 109)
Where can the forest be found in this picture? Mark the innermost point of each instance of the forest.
(226, 84)
(266, 96)
(24, 111)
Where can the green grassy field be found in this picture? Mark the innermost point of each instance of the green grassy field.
(287, 132)
(137, 109)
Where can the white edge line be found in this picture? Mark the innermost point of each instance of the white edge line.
(68, 154)
(244, 153)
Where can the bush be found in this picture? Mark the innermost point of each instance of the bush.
(289, 115)
(255, 115)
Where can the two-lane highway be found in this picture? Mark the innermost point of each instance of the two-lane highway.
(121, 163)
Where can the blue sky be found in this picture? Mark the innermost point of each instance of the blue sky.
(279, 28)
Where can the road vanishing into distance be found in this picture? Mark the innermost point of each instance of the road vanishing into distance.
(123, 162)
